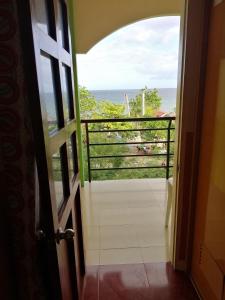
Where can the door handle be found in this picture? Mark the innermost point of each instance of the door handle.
(67, 235)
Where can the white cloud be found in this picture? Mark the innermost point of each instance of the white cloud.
(144, 53)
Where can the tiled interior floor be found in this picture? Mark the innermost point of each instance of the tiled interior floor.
(155, 281)
(123, 221)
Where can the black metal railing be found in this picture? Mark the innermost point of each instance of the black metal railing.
(167, 142)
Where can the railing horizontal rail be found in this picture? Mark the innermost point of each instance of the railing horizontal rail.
(130, 143)
(124, 120)
(123, 130)
(130, 155)
(144, 150)
(131, 168)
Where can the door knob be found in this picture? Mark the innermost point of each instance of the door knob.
(68, 235)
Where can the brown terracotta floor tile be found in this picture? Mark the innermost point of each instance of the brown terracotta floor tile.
(123, 282)
(91, 284)
(155, 281)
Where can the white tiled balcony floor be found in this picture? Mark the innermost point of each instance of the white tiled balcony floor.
(123, 221)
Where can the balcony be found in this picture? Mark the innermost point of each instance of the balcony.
(124, 220)
(149, 140)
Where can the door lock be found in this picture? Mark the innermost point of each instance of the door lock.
(67, 235)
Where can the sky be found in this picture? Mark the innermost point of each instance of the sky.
(142, 54)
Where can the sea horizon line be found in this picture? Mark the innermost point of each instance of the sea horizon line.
(121, 89)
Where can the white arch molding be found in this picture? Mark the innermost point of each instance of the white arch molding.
(95, 19)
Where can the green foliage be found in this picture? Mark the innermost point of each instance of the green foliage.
(152, 103)
(88, 104)
(90, 108)
(107, 109)
(57, 169)
(93, 109)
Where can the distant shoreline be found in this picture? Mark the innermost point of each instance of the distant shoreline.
(168, 96)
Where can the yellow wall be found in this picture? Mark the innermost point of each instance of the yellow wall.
(215, 218)
(95, 19)
(208, 266)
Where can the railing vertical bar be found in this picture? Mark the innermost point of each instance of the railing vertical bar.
(168, 142)
(168, 151)
(88, 152)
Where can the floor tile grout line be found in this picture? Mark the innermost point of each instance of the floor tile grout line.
(123, 225)
(146, 274)
(129, 247)
(135, 247)
(100, 221)
(98, 280)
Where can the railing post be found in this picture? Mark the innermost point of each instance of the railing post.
(88, 152)
(168, 151)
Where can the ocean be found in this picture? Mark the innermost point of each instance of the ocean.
(168, 96)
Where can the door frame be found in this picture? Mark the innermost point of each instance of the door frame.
(196, 57)
(190, 96)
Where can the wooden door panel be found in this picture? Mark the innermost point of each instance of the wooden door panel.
(67, 266)
(57, 161)
(64, 268)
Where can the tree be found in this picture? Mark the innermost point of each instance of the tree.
(88, 103)
(152, 103)
(108, 109)
(92, 109)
